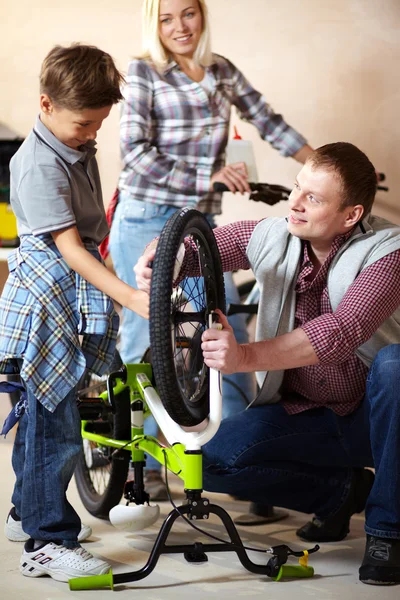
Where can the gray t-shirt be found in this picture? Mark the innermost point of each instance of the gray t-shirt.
(54, 187)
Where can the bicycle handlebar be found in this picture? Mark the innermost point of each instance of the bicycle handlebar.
(271, 194)
(261, 192)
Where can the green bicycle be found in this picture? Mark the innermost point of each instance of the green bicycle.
(181, 392)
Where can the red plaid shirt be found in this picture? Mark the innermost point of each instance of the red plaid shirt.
(338, 380)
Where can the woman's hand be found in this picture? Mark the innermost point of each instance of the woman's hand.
(234, 176)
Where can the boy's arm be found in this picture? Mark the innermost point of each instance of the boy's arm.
(70, 245)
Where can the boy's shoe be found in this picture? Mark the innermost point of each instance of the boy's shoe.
(59, 562)
(381, 563)
(336, 527)
(14, 532)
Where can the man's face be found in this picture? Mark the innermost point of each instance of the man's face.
(315, 207)
(73, 128)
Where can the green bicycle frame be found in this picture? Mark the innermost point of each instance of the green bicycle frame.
(187, 466)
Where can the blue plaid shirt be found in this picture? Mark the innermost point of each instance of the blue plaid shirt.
(174, 132)
(44, 308)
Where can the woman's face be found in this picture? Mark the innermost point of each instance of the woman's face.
(180, 26)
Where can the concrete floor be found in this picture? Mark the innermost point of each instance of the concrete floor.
(222, 577)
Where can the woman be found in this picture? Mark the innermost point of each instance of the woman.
(174, 132)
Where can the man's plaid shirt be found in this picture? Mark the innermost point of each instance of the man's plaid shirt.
(173, 133)
(338, 380)
(44, 308)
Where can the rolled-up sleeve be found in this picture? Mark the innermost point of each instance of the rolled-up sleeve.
(370, 300)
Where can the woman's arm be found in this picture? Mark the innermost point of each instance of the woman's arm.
(272, 127)
(73, 251)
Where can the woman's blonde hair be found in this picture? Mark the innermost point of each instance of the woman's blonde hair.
(152, 47)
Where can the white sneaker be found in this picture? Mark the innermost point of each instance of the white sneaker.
(14, 532)
(59, 562)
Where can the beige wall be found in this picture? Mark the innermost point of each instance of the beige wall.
(330, 66)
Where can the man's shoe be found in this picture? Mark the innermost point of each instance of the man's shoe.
(14, 532)
(59, 562)
(381, 562)
(336, 527)
(155, 485)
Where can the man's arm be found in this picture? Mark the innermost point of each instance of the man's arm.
(221, 351)
(329, 339)
(232, 241)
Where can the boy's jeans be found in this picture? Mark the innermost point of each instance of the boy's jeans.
(135, 225)
(45, 454)
(304, 461)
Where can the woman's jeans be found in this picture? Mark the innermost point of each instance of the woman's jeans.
(135, 225)
(304, 461)
(45, 454)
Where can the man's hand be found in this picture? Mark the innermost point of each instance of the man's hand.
(220, 348)
(143, 270)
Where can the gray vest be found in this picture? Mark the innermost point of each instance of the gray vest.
(275, 255)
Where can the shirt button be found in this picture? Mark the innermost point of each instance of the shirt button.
(322, 381)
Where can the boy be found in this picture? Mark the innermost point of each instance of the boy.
(57, 290)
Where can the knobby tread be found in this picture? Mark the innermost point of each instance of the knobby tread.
(184, 411)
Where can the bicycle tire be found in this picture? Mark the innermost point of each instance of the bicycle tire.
(182, 383)
(101, 487)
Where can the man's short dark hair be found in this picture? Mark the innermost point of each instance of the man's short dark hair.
(80, 77)
(354, 169)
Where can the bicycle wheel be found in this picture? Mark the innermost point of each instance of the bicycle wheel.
(100, 476)
(178, 317)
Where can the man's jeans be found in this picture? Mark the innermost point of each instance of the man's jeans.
(304, 461)
(135, 225)
(45, 454)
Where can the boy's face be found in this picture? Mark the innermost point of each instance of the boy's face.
(72, 128)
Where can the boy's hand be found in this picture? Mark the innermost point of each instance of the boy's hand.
(140, 303)
(220, 348)
(143, 271)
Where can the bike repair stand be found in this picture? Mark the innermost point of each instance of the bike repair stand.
(184, 458)
(198, 508)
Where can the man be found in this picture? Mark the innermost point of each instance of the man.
(326, 358)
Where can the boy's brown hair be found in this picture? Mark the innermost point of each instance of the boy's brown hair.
(354, 169)
(79, 77)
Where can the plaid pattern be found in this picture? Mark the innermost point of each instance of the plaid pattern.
(44, 308)
(173, 133)
(338, 381)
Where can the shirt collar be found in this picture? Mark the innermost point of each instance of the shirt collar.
(70, 155)
(172, 64)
